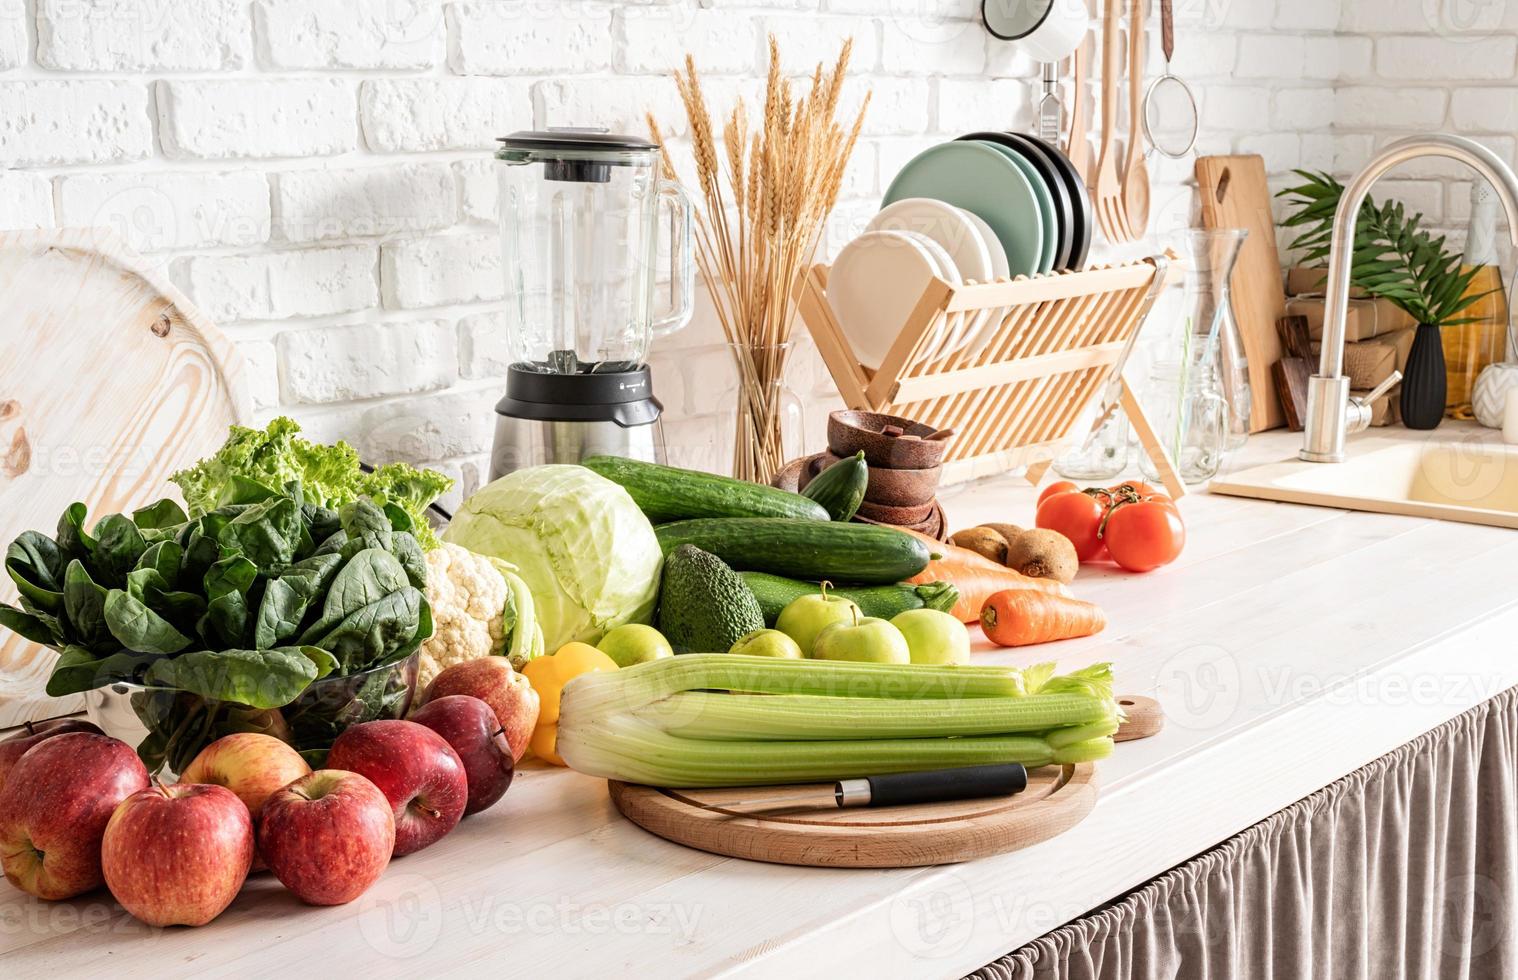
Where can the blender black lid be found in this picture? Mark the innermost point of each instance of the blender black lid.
(570, 139)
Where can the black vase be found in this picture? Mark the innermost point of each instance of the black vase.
(1423, 383)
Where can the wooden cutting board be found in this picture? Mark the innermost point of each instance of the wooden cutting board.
(1235, 195)
(824, 836)
(819, 834)
(111, 380)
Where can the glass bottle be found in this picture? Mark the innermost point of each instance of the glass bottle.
(1481, 340)
(1211, 332)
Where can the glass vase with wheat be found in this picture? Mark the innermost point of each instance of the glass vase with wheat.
(765, 190)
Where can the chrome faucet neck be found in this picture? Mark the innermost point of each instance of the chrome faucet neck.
(1332, 414)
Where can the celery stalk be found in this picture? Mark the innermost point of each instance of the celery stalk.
(787, 717)
(669, 723)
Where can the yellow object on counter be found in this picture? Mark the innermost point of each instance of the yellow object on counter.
(548, 675)
(1471, 346)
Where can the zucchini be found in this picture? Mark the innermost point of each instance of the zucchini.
(775, 592)
(837, 551)
(668, 493)
(840, 488)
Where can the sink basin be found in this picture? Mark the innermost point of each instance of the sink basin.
(1470, 481)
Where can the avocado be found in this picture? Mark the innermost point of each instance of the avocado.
(704, 606)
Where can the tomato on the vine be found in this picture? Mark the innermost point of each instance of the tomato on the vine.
(1143, 534)
(1059, 486)
(1078, 516)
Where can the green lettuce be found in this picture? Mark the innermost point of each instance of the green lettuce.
(253, 461)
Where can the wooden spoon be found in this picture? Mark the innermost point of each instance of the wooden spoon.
(1136, 171)
(1076, 146)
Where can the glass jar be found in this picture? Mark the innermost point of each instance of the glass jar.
(1190, 416)
(1103, 455)
(1211, 331)
(762, 412)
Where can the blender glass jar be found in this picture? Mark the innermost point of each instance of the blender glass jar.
(580, 215)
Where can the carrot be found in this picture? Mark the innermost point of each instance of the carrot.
(977, 577)
(1022, 617)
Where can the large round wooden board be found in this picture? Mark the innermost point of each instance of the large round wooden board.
(110, 380)
(1057, 798)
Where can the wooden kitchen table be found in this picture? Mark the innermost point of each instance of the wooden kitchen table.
(1289, 645)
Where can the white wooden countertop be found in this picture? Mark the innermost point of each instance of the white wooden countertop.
(1289, 645)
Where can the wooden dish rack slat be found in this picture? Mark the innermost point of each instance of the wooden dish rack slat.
(1060, 342)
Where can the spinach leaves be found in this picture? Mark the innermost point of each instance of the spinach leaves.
(247, 604)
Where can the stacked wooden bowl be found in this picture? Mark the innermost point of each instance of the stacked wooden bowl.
(905, 460)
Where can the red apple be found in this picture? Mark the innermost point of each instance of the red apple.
(177, 855)
(13, 747)
(327, 836)
(508, 693)
(54, 808)
(470, 727)
(421, 776)
(249, 764)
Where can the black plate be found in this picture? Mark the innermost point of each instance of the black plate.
(1080, 203)
(1036, 154)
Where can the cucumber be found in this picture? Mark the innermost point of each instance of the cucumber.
(840, 488)
(668, 493)
(802, 549)
(775, 592)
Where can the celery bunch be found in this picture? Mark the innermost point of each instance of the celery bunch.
(731, 720)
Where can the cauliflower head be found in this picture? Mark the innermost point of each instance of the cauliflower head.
(469, 599)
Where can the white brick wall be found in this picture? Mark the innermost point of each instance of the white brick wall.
(316, 173)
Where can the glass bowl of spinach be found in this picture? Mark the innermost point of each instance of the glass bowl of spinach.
(269, 613)
(170, 726)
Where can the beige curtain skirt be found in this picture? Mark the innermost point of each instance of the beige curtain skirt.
(1406, 869)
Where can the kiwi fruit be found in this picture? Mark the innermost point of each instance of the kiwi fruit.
(984, 541)
(1042, 553)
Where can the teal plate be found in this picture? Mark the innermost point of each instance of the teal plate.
(1046, 210)
(981, 179)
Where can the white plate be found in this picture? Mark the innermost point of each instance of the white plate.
(964, 244)
(875, 283)
(983, 329)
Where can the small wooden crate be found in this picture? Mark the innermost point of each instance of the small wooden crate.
(1059, 342)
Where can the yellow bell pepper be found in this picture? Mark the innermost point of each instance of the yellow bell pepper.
(548, 675)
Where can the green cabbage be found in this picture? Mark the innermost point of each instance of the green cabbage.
(329, 476)
(577, 539)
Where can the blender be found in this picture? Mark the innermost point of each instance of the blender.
(581, 212)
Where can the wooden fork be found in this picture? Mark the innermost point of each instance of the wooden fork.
(1107, 195)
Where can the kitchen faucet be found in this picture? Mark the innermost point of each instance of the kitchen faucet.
(1332, 412)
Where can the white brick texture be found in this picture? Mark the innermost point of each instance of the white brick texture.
(283, 285)
(26, 200)
(13, 43)
(343, 363)
(47, 122)
(143, 35)
(408, 114)
(442, 271)
(330, 34)
(232, 119)
(313, 205)
(155, 211)
(527, 37)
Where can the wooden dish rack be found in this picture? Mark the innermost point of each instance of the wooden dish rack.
(1058, 342)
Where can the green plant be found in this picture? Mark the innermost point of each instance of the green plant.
(1394, 257)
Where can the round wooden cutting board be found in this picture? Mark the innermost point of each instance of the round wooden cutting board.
(110, 380)
(822, 835)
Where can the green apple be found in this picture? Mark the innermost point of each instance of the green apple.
(767, 643)
(933, 637)
(864, 639)
(634, 643)
(804, 618)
